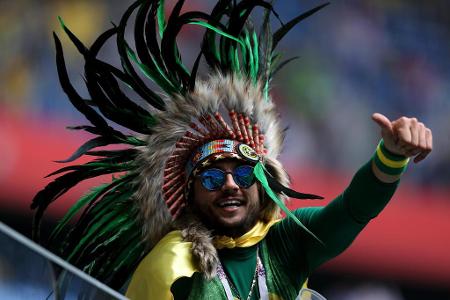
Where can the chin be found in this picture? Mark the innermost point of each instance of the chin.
(231, 224)
(233, 227)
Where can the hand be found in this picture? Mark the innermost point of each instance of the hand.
(405, 136)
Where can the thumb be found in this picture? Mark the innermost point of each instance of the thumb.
(384, 123)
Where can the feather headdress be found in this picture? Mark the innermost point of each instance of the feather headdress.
(121, 220)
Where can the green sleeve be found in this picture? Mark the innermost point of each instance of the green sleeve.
(336, 224)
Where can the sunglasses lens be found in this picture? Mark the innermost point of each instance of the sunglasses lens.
(243, 175)
(212, 179)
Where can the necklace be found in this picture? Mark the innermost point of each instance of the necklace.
(255, 276)
(259, 275)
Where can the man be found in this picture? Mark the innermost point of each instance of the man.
(230, 208)
(197, 187)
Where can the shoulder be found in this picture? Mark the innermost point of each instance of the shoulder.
(169, 260)
(304, 214)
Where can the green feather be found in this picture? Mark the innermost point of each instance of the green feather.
(255, 56)
(250, 65)
(161, 18)
(109, 221)
(243, 56)
(97, 212)
(253, 61)
(115, 201)
(217, 30)
(235, 61)
(126, 254)
(259, 174)
(94, 194)
(132, 140)
(130, 256)
(158, 75)
(86, 199)
(127, 236)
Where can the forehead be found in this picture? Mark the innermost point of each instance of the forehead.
(225, 164)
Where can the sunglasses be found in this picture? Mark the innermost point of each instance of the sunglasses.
(214, 179)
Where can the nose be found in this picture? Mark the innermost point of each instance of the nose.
(229, 184)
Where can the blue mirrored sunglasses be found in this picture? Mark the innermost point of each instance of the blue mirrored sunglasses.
(214, 179)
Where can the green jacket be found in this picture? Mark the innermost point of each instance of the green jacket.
(288, 253)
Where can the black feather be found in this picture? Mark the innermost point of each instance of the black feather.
(78, 44)
(265, 47)
(87, 128)
(151, 59)
(280, 33)
(169, 48)
(209, 48)
(152, 42)
(129, 153)
(100, 41)
(282, 64)
(279, 188)
(90, 114)
(139, 86)
(240, 14)
(103, 87)
(91, 144)
(194, 72)
(59, 187)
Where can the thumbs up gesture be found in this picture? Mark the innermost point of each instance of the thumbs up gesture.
(405, 136)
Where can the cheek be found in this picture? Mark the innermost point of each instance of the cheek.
(200, 196)
(252, 194)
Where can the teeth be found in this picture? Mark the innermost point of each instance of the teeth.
(230, 203)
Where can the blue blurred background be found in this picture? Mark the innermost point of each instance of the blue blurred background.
(355, 58)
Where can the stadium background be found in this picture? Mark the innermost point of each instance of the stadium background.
(355, 58)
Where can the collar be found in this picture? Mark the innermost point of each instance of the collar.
(252, 237)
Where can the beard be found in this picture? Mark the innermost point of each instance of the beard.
(232, 230)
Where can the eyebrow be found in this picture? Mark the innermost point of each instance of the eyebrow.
(238, 164)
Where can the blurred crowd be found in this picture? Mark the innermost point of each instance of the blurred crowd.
(363, 57)
(355, 58)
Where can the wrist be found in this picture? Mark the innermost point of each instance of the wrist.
(388, 166)
(389, 153)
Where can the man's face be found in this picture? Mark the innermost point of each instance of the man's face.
(230, 210)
